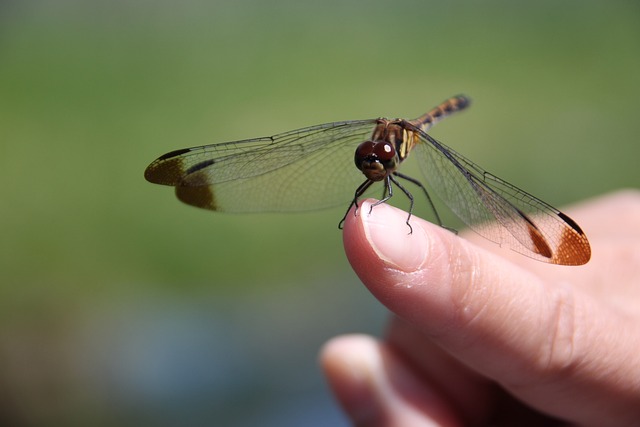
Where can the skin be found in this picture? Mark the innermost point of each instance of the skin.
(483, 336)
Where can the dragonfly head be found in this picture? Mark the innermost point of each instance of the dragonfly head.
(377, 159)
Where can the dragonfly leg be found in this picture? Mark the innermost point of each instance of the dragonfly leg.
(359, 192)
(426, 193)
(387, 194)
(385, 191)
(408, 194)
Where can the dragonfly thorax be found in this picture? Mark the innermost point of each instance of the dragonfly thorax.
(376, 159)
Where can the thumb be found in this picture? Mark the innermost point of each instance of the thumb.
(549, 342)
(471, 302)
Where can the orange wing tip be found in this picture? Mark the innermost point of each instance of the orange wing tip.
(573, 247)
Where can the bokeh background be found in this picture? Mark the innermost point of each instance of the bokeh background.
(121, 306)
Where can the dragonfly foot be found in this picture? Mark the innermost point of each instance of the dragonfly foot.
(409, 225)
(355, 213)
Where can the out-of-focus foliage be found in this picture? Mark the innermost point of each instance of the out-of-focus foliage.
(103, 275)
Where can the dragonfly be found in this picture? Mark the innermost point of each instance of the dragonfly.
(313, 168)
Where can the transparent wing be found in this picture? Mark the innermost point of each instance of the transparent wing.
(498, 210)
(305, 169)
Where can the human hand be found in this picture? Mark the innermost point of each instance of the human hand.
(484, 336)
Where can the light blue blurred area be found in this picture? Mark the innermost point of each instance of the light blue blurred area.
(226, 361)
(168, 359)
(122, 306)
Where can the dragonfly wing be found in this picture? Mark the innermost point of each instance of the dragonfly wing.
(500, 211)
(306, 169)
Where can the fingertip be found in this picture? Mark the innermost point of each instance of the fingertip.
(348, 362)
(344, 354)
(382, 249)
(375, 387)
(383, 231)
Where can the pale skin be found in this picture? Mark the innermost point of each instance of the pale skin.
(483, 336)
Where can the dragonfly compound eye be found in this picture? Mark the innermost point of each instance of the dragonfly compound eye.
(363, 151)
(384, 151)
(376, 159)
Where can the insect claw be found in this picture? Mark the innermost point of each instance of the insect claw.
(409, 225)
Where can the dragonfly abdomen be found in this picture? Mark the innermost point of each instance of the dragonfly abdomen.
(447, 108)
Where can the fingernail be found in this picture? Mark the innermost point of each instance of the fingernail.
(389, 235)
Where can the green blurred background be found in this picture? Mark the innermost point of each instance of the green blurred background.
(122, 306)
